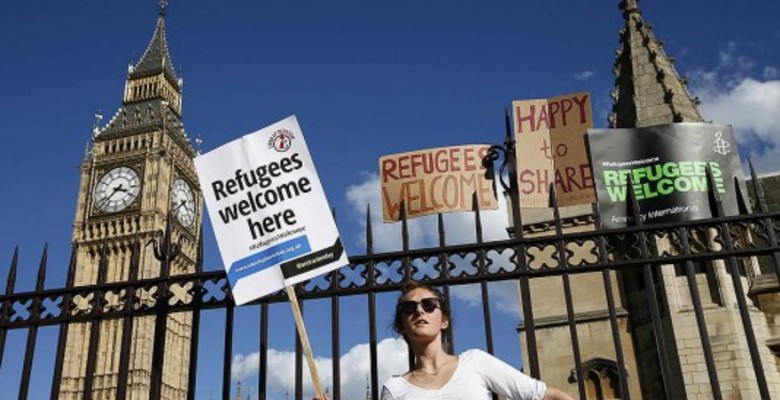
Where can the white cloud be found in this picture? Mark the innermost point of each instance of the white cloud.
(733, 67)
(752, 108)
(355, 367)
(584, 75)
(731, 93)
(771, 73)
(730, 57)
(504, 296)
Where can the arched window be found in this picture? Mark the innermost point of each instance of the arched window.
(602, 381)
(593, 385)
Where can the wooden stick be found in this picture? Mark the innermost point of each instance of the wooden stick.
(315, 376)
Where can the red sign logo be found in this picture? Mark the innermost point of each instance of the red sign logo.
(281, 140)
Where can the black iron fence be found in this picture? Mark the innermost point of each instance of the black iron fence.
(622, 250)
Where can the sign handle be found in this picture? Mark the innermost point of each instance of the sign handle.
(315, 376)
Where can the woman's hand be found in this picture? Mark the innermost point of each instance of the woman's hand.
(555, 394)
(321, 396)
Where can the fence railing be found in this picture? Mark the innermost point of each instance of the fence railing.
(634, 248)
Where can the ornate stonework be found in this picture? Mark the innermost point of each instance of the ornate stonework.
(648, 91)
(143, 149)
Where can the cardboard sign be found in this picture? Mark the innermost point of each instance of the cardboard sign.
(433, 181)
(667, 165)
(273, 225)
(550, 136)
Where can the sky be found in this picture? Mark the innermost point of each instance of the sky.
(365, 80)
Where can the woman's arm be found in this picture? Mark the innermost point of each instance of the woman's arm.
(505, 380)
(555, 394)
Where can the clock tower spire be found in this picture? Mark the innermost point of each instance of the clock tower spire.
(138, 171)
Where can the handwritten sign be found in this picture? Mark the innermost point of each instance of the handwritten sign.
(551, 148)
(435, 180)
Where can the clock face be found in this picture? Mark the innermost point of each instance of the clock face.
(183, 202)
(117, 189)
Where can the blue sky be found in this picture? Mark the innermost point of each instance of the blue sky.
(365, 80)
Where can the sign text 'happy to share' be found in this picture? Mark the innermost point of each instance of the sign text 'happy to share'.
(550, 148)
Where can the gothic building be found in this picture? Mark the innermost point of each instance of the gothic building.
(138, 175)
(649, 91)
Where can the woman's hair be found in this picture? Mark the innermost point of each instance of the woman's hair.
(444, 306)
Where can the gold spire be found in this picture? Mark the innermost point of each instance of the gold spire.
(238, 392)
(87, 152)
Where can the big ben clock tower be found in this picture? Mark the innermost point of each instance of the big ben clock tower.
(138, 173)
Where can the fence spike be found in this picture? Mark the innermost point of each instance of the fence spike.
(443, 264)
(72, 266)
(39, 282)
(9, 286)
(632, 203)
(507, 125)
(556, 210)
(477, 216)
(369, 231)
(135, 258)
(102, 264)
(716, 203)
(404, 226)
(596, 215)
(200, 259)
(442, 232)
(741, 205)
(552, 197)
(758, 189)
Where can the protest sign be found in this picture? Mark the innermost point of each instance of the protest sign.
(435, 180)
(550, 147)
(667, 165)
(272, 222)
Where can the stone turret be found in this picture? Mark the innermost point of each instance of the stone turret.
(648, 90)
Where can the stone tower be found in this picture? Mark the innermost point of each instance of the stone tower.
(649, 91)
(138, 173)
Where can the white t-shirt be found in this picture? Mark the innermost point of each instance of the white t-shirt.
(476, 376)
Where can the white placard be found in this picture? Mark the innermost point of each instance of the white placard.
(272, 221)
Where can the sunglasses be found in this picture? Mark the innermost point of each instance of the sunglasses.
(410, 306)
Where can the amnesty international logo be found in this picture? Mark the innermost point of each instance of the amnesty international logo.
(721, 146)
(281, 140)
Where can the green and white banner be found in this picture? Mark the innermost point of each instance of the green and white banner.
(667, 166)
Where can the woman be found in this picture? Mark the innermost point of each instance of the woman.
(422, 317)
